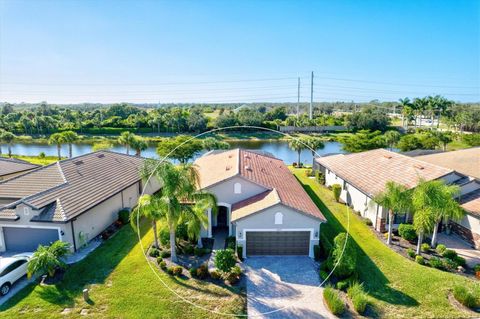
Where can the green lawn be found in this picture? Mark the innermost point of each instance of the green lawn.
(400, 288)
(122, 286)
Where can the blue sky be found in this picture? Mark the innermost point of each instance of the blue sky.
(237, 51)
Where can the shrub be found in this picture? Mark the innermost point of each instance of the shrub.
(240, 252)
(344, 255)
(225, 260)
(367, 221)
(425, 247)
(154, 252)
(215, 274)
(319, 177)
(181, 231)
(325, 246)
(165, 254)
(236, 270)
(177, 270)
(170, 270)
(323, 274)
(164, 236)
(436, 262)
(465, 297)
(407, 232)
(202, 271)
(163, 265)
(476, 268)
(460, 261)
(231, 242)
(197, 251)
(411, 253)
(188, 249)
(316, 252)
(124, 216)
(420, 260)
(159, 260)
(440, 249)
(358, 296)
(336, 189)
(450, 254)
(193, 271)
(308, 172)
(333, 301)
(231, 278)
(343, 285)
(449, 264)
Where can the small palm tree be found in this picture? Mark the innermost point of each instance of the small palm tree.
(139, 145)
(151, 207)
(58, 139)
(47, 259)
(392, 138)
(296, 145)
(127, 139)
(8, 138)
(314, 144)
(396, 199)
(70, 137)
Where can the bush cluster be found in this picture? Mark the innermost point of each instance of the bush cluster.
(425, 247)
(419, 260)
(358, 296)
(407, 232)
(411, 253)
(225, 260)
(154, 252)
(440, 249)
(165, 254)
(333, 301)
(124, 216)
(336, 189)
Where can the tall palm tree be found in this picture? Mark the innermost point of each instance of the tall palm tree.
(392, 138)
(70, 137)
(296, 145)
(8, 138)
(151, 207)
(181, 201)
(406, 105)
(2, 131)
(139, 145)
(396, 198)
(314, 144)
(57, 139)
(419, 106)
(127, 139)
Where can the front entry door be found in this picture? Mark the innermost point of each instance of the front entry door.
(222, 216)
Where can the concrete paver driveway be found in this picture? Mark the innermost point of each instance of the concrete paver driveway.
(289, 283)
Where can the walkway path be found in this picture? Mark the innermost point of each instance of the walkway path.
(463, 249)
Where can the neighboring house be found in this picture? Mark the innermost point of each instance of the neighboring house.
(11, 167)
(260, 203)
(364, 175)
(467, 162)
(73, 200)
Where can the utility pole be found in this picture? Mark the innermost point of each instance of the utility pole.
(311, 98)
(298, 98)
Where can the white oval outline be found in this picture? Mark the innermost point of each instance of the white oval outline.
(202, 307)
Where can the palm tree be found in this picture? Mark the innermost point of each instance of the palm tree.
(2, 131)
(58, 139)
(127, 139)
(151, 207)
(392, 138)
(139, 145)
(296, 145)
(396, 198)
(46, 259)
(180, 201)
(70, 137)
(8, 138)
(423, 222)
(419, 106)
(406, 105)
(314, 144)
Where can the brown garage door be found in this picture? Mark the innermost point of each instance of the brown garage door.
(278, 243)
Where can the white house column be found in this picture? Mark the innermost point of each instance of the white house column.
(209, 231)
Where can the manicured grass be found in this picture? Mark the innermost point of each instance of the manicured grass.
(36, 159)
(122, 285)
(399, 287)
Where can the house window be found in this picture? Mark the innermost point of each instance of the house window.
(278, 218)
(26, 211)
(237, 188)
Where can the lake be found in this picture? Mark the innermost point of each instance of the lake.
(279, 149)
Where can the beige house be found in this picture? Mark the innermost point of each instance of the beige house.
(73, 200)
(364, 175)
(260, 203)
(11, 167)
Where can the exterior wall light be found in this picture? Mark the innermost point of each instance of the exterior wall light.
(316, 234)
(239, 234)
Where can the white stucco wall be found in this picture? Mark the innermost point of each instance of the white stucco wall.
(265, 221)
(224, 191)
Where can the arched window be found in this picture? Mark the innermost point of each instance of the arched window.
(278, 218)
(237, 188)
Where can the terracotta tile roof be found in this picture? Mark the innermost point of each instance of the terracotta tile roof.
(254, 204)
(261, 169)
(12, 165)
(70, 187)
(466, 161)
(8, 214)
(369, 171)
(471, 202)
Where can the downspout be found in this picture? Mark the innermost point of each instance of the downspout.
(73, 236)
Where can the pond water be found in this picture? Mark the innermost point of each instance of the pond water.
(279, 149)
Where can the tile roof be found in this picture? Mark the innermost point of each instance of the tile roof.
(261, 169)
(69, 187)
(466, 161)
(254, 204)
(471, 202)
(369, 171)
(13, 165)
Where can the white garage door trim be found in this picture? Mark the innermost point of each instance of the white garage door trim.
(311, 230)
(2, 239)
